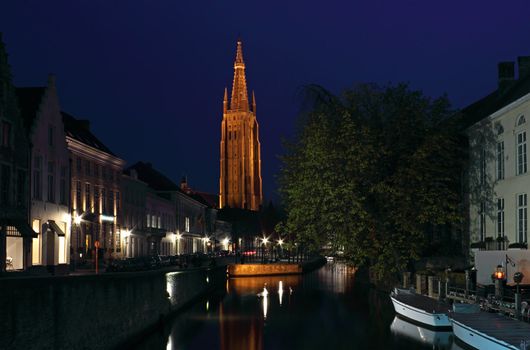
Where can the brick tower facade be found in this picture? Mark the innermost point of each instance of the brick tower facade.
(240, 181)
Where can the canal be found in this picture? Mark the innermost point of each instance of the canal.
(326, 309)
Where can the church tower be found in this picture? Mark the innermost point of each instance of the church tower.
(240, 180)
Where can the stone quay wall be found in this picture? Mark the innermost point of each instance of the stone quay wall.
(95, 311)
(244, 270)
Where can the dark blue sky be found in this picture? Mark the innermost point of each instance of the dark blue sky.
(150, 74)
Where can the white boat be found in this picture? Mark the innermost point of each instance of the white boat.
(490, 331)
(420, 308)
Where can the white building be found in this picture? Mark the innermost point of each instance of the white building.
(50, 188)
(499, 132)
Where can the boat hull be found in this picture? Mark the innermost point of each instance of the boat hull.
(478, 340)
(435, 320)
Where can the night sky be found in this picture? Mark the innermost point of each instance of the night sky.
(150, 75)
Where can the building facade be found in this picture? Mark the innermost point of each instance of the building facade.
(240, 184)
(95, 193)
(15, 233)
(50, 186)
(134, 215)
(499, 179)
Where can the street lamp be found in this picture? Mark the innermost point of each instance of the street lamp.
(204, 241)
(225, 243)
(126, 234)
(178, 237)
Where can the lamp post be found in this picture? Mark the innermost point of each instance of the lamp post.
(265, 241)
(77, 223)
(178, 237)
(499, 279)
(126, 235)
(518, 278)
(280, 243)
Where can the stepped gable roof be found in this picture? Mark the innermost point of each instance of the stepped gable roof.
(29, 100)
(495, 101)
(155, 179)
(80, 131)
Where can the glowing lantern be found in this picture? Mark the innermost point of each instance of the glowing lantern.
(499, 273)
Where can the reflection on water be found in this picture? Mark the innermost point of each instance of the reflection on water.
(326, 309)
(435, 339)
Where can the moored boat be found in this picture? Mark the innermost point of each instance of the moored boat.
(490, 331)
(420, 308)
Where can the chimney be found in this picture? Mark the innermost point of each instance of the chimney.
(506, 75)
(524, 66)
(51, 80)
(184, 184)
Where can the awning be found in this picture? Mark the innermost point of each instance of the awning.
(55, 228)
(18, 228)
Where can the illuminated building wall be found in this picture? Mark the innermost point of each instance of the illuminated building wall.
(95, 192)
(15, 233)
(240, 179)
(50, 187)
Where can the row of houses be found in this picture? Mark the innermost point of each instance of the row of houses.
(64, 195)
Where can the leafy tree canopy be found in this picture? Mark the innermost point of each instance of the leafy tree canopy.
(369, 171)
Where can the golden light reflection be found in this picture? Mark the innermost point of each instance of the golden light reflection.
(265, 306)
(280, 291)
(169, 345)
(207, 305)
(255, 285)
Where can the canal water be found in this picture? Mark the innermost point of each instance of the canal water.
(326, 309)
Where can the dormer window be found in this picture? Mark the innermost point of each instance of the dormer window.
(521, 120)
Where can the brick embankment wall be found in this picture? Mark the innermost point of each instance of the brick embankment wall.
(94, 311)
(244, 270)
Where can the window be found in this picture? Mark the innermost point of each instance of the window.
(111, 202)
(104, 172)
(482, 228)
(522, 218)
(36, 243)
(51, 183)
(500, 160)
(96, 200)
(62, 186)
(148, 220)
(187, 224)
(96, 170)
(78, 165)
(159, 222)
(5, 178)
(88, 202)
(6, 134)
(50, 135)
(521, 153)
(103, 201)
(21, 188)
(37, 178)
(78, 199)
(153, 221)
(117, 202)
(521, 120)
(500, 217)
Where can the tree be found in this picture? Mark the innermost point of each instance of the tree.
(369, 172)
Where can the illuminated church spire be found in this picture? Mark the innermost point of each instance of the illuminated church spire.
(239, 87)
(240, 184)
